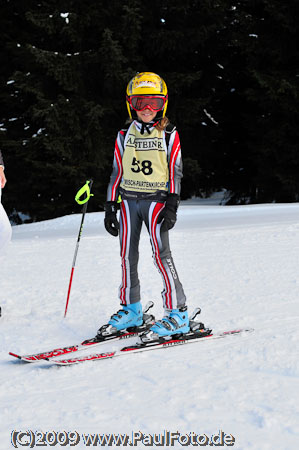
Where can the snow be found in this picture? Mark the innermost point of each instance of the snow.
(238, 263)
(209, 115)
(65, 16)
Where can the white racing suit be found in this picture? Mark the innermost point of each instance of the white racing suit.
(5, 227)
(146, 168)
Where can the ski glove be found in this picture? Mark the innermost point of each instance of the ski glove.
(168, 214)
(111, 223)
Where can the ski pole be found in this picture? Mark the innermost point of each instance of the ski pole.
(84, 190)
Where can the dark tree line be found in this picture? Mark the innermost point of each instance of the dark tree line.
(232, 72)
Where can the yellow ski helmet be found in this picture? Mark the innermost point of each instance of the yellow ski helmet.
(147, 90)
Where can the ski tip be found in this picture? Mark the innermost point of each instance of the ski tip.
(15, 356)
(238, 331)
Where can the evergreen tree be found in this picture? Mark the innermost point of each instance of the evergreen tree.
(261, 160)
(233, 88)
(184, 49)
(67, 78)
(274, 69)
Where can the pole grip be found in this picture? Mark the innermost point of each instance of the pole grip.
(84, 191)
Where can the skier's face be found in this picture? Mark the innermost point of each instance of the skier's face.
(146, 115)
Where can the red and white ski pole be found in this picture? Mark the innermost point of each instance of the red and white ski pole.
(85, 190)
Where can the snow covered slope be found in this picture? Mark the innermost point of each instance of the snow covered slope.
(239, 264)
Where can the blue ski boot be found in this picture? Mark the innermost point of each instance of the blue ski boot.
(130, 316)
(175, 322)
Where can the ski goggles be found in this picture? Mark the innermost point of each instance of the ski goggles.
(152, 102)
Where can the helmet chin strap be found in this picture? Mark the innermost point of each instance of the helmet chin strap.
(147, 126)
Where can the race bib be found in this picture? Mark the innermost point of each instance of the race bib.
(145, 167)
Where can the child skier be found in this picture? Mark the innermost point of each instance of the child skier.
(147, 172)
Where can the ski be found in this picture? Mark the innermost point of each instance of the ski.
(192, 337)
(91, 343)
(88, 343)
